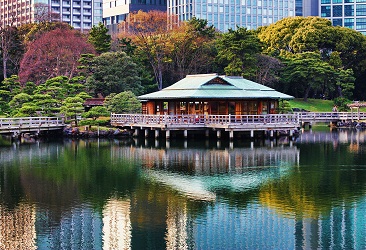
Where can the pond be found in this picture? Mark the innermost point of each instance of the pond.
(309, 193)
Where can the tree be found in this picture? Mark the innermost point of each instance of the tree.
(111, 73)
(99, 37)
(72, 107)
(11, 50)
(193, 45)
(306, 72)
(124, 102)
(237, 51)
(96, 112)
(44, 13)
(55, 53)
(151, 33)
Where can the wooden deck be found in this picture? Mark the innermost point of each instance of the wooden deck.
(218, 123)
(229, 123)
(30, 124)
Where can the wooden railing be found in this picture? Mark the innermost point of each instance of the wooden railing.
(30, 123)
(207, 120)
(126, 119)
(330, 116)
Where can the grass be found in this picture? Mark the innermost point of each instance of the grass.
(313, 105)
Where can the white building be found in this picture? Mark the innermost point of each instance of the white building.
(81, 14)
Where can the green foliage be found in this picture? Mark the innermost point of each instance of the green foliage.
(94, 122)
(72, 107)
(113, 73)
(99, 37)
(125, 102)
(237, 51)
(341, 103)
(305, 72)
(284, 107)
(96, 112)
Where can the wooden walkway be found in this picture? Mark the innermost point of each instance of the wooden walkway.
(18, 126)
(229, 123)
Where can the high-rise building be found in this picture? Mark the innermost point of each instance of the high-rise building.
(81, 14)
(225, 14)
(346, 13)
(307, 7)
(115, 12)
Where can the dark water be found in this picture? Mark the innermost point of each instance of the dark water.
(126, 194)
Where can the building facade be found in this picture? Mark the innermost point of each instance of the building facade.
(116, 11)
(81, 14)
(226, 14)
(346, 13)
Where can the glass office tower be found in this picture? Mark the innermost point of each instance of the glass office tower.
(346, 13)
(225, 14)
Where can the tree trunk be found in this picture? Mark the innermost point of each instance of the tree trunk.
(306, 95)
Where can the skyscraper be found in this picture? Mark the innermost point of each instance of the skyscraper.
(346, 13)
(225, 14)
(81, 14)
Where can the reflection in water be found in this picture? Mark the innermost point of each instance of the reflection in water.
(117, 224)
(99, 194)
(17, 227)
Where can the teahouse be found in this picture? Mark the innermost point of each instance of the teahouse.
(211, 94)
(211, 104)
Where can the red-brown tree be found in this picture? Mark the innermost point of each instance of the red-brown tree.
(56, 53)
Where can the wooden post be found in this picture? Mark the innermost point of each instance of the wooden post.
(231, 134)
(185, 134)
(218, 132)
(271, 134)
(207, 133)
(167, 134)
(136, 132)
(251, 133)
(156, 133)
(146, 133)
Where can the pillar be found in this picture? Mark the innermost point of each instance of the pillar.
(231, 135)
(291, 133)
(251, 133)
(185, 134)
(146, 133)
(207, 133)
(156, 133)
(271, 134)
(167, 134)
(136, 132)
(218, 132)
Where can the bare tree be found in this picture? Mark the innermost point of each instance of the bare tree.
(44, 13)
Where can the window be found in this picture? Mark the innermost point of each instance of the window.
(349, 23)
(325, 11)
(349, 10)
(361, 10)
(337, 11)
(337, 22)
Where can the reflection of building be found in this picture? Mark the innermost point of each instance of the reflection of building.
(117, 225)
(17, 228)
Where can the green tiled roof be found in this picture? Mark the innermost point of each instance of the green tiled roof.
(213, 86)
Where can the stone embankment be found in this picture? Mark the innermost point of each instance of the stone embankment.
(76, 132)
(350, 124)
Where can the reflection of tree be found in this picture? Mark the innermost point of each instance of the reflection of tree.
(327, 175)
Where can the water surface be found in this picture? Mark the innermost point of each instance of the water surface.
(309, 193)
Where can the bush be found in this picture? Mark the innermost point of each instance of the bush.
(341, 103)
(95, 122)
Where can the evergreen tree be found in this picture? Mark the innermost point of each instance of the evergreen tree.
(99, 37)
